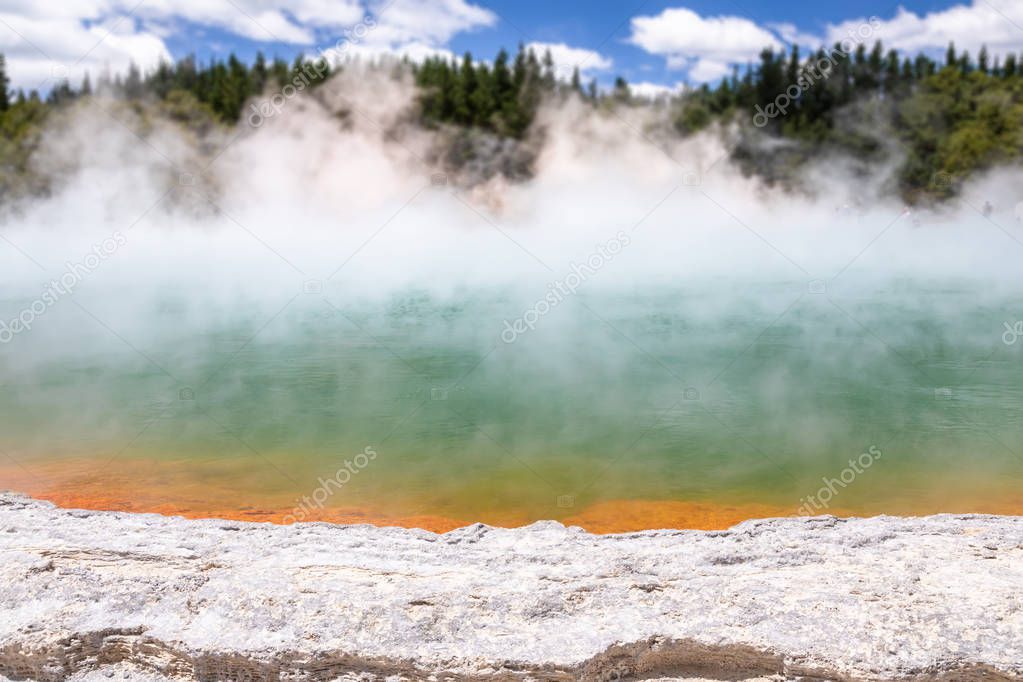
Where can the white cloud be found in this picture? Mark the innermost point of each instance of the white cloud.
(655, 90)
(791, 34)
(44, 41)
(416, 52)
(263, 20)
(402, 22)
(709, 69)
(327, 12)
(567, 59)
(418, 30)
(995, 23)
(706, 46)
(42, 51)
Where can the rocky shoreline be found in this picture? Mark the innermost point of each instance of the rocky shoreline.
(91, 595)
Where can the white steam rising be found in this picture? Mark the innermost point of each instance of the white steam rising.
(342, 189)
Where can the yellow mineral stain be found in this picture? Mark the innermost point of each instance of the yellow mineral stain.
(173, 488)
(625, 516)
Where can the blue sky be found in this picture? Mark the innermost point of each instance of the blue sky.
(660, 43)
(606, 23)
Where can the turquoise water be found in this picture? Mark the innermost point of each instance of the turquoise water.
(713, 391)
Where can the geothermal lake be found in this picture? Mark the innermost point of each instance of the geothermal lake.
(694, 405)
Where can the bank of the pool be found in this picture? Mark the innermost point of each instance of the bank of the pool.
(610, 516)
(85, 591)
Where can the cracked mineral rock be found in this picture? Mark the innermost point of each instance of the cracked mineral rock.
(88, 595)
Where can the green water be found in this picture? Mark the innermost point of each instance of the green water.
(711, 391)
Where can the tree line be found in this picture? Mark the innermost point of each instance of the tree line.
(948, 118)
(951, 116)
(501, 98)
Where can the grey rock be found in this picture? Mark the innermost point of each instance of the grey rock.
(94, 595)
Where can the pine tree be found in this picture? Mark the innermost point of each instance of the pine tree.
(922, 67)
(891, 71)
(132, 87)
(104, 83)
(185, 77)
(965, 65)
(5, 85)
(549, 76)
(279, 71)
(529, 93)
(840, 83)
(772, 77)
(465, 92)
(1010, 66)
(259, 74)
(504, 91)
(792, 74)
(502, 76)
(746, 93)
(483, 100)
(461, 113)
(875, 64)
(162, 81)
(577, 84)
(61, 94)
(907, 71)
(519, 69)
(621, 90)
